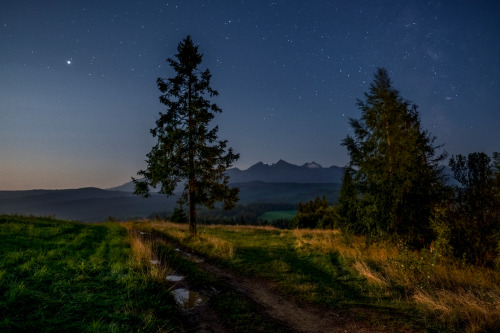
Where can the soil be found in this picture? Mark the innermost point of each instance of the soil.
(287, 313)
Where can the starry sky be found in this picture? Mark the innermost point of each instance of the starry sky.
(78, 88)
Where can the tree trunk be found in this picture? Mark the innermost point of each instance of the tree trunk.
(192, 210)
(388, 142)
(192, 178)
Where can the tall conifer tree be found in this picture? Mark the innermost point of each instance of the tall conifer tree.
(395, 165)
(187, 150)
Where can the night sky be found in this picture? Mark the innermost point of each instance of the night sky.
(78, 88)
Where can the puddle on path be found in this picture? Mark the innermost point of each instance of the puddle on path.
(174, 278)
(188, 299)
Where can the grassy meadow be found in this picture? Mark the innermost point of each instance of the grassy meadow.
(65, 276)
(327, 268)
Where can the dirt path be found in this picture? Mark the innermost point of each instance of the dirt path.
(300, 318)
(294, 317)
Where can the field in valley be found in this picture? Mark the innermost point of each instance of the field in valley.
(278, 215)
(57, 275)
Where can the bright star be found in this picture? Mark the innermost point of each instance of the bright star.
(68, 62)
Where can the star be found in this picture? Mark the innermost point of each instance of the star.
(68, 62)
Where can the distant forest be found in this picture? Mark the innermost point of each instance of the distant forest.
(240, 215)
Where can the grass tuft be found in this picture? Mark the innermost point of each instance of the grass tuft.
(371, 275)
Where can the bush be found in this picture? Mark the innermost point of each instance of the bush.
(468, 226)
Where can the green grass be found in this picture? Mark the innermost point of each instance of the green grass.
(65, 276)
(314, 277)
(278, 215)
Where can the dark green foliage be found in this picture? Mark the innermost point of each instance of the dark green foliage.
(316, 213)
(178, 215)
(187, 149)
(395, 166)
(346, 210)
(469, 225)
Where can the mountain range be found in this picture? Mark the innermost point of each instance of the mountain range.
(280, 172)
(279, 183)
(284, 172)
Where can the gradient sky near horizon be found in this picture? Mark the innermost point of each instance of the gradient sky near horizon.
(78, 88)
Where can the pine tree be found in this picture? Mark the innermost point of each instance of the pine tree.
(187, 150)
(179, 215)
(395, 165)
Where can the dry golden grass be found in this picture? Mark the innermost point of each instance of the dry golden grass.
(465, 297)
(145, 260)
(141, 251)
(216, 246)
(353, 247)
(322, 241)
(369, 274)
(476, 312)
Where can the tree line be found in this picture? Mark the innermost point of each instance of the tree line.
(249, 214)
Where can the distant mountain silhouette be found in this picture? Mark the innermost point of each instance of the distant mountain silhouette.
(129, 187)
(280, 172)
(284, 172)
